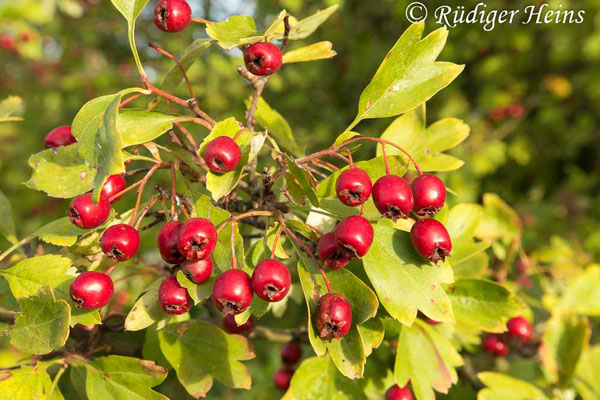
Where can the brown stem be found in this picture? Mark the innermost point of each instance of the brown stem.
(173, 190)
(172, 57)
(141, 189)
(234, 263)
(130, 99)
(286, 32)
(385, 160)
(150, 204)
(382, 142)
(202, 21)
(275, 242)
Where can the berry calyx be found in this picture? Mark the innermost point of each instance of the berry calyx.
(113, 185)
(232, 293)
(173, 298)
(197, 239)
(354, 236)
(263, 58)
(353, 186)
(271, 280)
(398, 393)
(431, 240)
(283, 377)
(520, 328)
(222, 154)
(291, 353)
(168, 238)
(333, 316)
(198, 271)
(494, 344)
(232, 327)
(430, 194)
(329, 254)
(392, 197)
(86, 214)
(172, 15)
(91, 290)
(120, 242)
(59, 137)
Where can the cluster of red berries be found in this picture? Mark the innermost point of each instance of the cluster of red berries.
(399, 393)
(514, 111)
(291, 354)
(518, 329)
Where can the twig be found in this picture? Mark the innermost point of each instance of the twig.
(286, 33)
(181, 69)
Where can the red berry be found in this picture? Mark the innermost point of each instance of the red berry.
(431, 240)
(354, 236)
(8, 43)
(232, 327)
(232, 293)
(60, 136)
(271, 280)
(429, 193)
(495, 344)
(291, 354)
(120, 242)
(398, 393)
(113, 185)
(263, 58)
(353, 187)
(86, 214)
(172, 15)
(222, 154)
(333, 316)
(168, 238)
(520, 328)
(174, 298)
(329, 254)
(91, 290)
(392, 197)
(197, 239)
(198, 271)
(283, 377)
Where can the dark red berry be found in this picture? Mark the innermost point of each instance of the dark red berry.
(168, 238)
(172, 15)
(398, 393)
(91, 290)
(86, 214)
(173, 297)
(431, 240)
(392, 197)
(353, 187)
(329, 254)
(198, 271)
(222, 154)
(520, 328)
(120, 242)
(232, 293)
(197, 239)
(271, 280)
(333, 316)
(232, 327)
(291, 354)
(494, 344)
(283, 377)
(113, 185)
(354, 236)
(8, 43)
(430, 194)
(59, 137)
(263, 58)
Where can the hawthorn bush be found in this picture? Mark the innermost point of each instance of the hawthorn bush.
(307, 276)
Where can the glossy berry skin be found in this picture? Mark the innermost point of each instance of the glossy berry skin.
(271, 280)
(283, 377)
(232, 293)
(431, 240)
(398, 393)
(393, 197)
(291, 354)
(329, 254)
(59, 137)
(354, 236)
(86, 214)
(168, 238)
(430, 194)
(197, 239)
(198, 271)
(120, 242)
(172, 15)
(263, 58)
(520, 328)
(173, 298)
(494, 344)
(222, 154)
(353, 187)
(232, 327)
(113, 185)
(333, 316)
(91, 290)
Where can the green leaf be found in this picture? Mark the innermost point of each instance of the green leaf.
(304, 179)
(60, 232)
(141, 126)
(7, 226)
(42, 325)
(583, 291)
(586, 376)
(198, 293)
(502, 387)
(131, 9)
(462, 222)
(308, 25)
(146, 310)
(28, 382)
(315, 51)
(11, 109)
(500, 221)
(229, 32)
(371, 333)
(403, 280)
(200, 352)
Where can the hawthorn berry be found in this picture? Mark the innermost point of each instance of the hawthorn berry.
(222, 154)
(353, 186)
(329, 254)
(198, 271)
(232, 293)
(520, 328)
(271, 280)
(263, 58)
(430, 194)
(431, 239)
(86, 214)
(392, 197)
(113, 185)
(59, 137)
(232, 327)
(168, 238)
(173, 297)
(291, 353)
(8, 43)
(120, 242)
(354, 236)
(283, 377)
(333, 316)
(91, 290)
(494, 344)
(172, 15)
(398, 393)
(197, 238)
